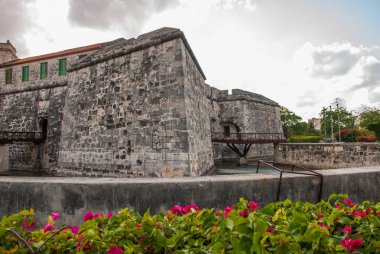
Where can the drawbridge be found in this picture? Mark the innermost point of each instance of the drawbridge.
(247, 139)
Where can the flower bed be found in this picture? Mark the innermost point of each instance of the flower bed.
(334, 226)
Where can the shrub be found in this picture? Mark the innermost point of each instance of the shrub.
(349, 135)
(337, 225)
(369, 138)
(305, 139)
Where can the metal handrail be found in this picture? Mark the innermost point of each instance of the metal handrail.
(312, 173)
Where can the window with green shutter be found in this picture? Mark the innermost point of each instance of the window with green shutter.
(25, 73)
(8, 76)
(43, 70)
(62, 67)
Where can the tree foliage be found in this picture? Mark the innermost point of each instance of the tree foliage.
(292, 124)
(370, 120)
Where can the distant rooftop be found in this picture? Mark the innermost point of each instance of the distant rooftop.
(53, 55)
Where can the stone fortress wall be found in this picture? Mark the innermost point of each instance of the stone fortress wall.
(137, 107)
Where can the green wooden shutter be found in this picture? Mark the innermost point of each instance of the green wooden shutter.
(25, 73)
(43, 70)
(62, 67)
(8, 76)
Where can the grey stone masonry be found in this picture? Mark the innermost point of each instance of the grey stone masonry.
(126, 108)
(324, 156)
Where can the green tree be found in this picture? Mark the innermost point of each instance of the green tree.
(293, 125)
(370, 120)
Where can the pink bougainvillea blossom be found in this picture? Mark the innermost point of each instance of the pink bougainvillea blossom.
(253, 206)
(319, 216)
(115, 250)
(88, 216)
(74, 229)
(138, 226)
(98, 215)
(217, 212)
(227, 211)
(348, 202)
(55, 216)
(360, 214)
(347, 229)
(28, 226)
(189, 208)
(351, 245)
(84, 247)
(338, 206)
(109, 215)
(177, 209)
(48, 227)
(141, 240)
(377, 213)
(244, 213)
(324, 226)
(270, 230)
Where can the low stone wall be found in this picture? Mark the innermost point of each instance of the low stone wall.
(324, 156)
(72, 197)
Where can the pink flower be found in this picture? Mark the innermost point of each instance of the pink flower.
(253, 206)
(217, 212)
(227, 211)
(28, 226)
(347, 229)
(377, 213)
(348, 202)
(351, 245)
(74, 229)
(338, 206)
(85, 247)
(55, 216)
(177, 209)
(98, 215)
(142, 238)
(88, 216)
(324, 226)
(270, 230)
(360, 214)
(189, 208)
(109, 215)
(319, 216)
(48, 227)
(115, 250)
(138, 226)
(244, 213)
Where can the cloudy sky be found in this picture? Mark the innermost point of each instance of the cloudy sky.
(301, 53)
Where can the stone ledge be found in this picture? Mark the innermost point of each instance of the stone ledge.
(35, 88)
(72, 197)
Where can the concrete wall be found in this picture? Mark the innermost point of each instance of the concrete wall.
(4, 157)
(72, 197)
(323, 156)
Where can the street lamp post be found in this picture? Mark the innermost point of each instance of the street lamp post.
(324, 126)
(331, 124)
(337, 107)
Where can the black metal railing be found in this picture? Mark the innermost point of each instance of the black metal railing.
(248, 138)
(12, 136)
(293, 167)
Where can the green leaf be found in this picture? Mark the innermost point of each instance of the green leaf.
(230, 224)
